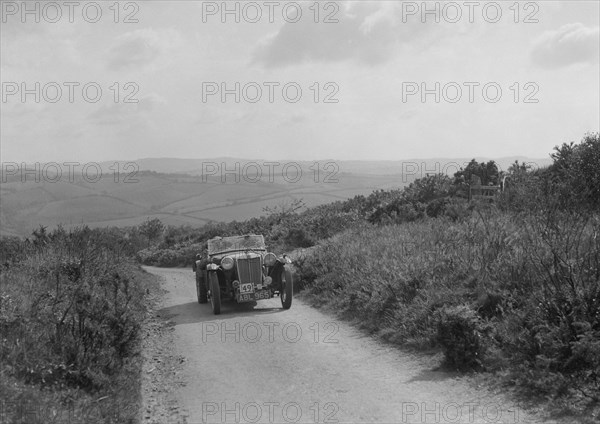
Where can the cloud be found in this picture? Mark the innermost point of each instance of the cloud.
(141, 47)
(570, 44)
(366, 32)
(14, 108)
(150, 102)
(113, 114)
(127, 113)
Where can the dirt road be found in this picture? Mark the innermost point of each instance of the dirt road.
(264, 364)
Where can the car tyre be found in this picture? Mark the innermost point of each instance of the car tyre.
(201, 290)
(215, 293)
(287, 289)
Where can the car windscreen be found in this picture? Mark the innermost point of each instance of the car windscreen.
(230, 244)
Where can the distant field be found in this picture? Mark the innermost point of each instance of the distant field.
(167, 219)
(93, 208)
(243, 210)
(217, 195)
(176, 199)
(180, 195)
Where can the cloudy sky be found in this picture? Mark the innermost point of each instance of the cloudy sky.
(361, 70)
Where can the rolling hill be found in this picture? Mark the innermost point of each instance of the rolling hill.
(196, 191)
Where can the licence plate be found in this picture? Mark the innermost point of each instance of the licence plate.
(246, 288)
(263, 294)
(246, 297)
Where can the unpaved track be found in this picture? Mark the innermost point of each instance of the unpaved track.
(264, 364)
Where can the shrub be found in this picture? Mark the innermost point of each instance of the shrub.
(426, 189)
(577, 173)
(484, 173)
(496, 289)
(12, 251)
(171, 257)
(70, 312)
(296, 237)
(436, 208)
(457, 209)
(458, 331)
(398, 212)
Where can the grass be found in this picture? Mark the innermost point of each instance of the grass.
(119, 403)
(71, 309)
(511, 289)
(513, 294)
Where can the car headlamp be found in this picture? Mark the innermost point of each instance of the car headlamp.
(270, 259)
(227, 263)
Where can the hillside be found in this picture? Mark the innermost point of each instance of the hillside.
(416, 167)
(506, 290)
(174, 198)
(191, 191)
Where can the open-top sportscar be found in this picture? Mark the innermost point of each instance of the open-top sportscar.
(241, 269)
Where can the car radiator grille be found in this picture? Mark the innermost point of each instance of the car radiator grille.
(249, 270)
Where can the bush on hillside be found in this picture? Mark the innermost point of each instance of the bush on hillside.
(459, 333)
(576, 173)
(71, 311)
(493, 290)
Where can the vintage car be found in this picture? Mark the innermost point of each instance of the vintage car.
(240, 268)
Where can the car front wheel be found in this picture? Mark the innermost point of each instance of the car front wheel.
(287, 289)
(215, 293)
(201, 290)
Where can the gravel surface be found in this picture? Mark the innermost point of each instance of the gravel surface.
(260, 363)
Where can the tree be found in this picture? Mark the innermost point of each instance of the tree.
(476, 173)
(40, 236)
(152, 229)
(429, 188)
(576, 170)
(284, 210)
(518, 168)
(487, 172)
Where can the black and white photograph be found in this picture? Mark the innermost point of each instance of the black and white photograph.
(311, 211)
